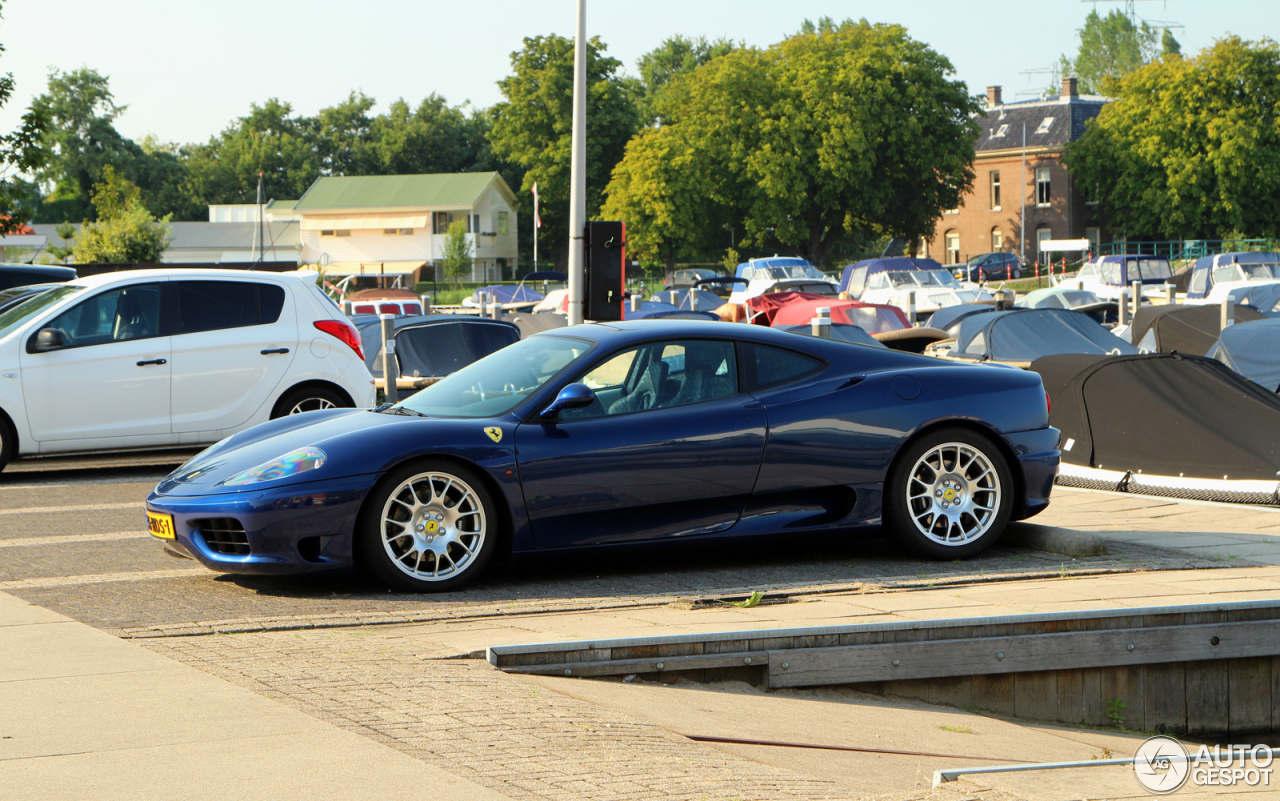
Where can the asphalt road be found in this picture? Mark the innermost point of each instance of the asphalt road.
(73, 539)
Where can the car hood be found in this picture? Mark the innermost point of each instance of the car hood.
(354, 442)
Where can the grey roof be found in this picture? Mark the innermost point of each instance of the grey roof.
(1069, 116)
(209, 236)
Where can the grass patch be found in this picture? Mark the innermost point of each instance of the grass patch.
(962, 729)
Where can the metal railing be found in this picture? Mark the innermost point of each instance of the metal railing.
(1187, 249)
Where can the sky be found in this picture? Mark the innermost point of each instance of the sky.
(186, 69)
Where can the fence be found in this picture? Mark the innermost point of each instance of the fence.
(1187, 249)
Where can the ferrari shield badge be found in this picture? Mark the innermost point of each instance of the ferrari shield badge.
(494, 433)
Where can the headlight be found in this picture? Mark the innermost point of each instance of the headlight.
(291, 464)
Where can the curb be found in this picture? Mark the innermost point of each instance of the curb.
(1054, 540)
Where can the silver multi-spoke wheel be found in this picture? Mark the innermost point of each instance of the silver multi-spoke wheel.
(312, 405)
(953, 494)
(433, 526)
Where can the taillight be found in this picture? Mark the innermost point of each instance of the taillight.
(344, 331)
(1048, 404)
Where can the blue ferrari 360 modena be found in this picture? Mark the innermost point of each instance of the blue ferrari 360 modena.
(629, 432)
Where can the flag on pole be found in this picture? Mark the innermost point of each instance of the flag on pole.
(537, 218)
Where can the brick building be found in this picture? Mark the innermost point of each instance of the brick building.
(990, 218)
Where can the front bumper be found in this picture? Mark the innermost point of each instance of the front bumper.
(299, 528)
(1038, 456)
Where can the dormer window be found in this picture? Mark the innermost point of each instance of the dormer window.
(1045, 125)
(1001, 131)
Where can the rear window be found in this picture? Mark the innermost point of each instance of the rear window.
(775, 367)
(216, 305)
(389, 308)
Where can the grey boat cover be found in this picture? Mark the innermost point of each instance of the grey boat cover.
(1024, 335)
(1252, 350)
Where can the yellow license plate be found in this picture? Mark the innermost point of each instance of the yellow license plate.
(160, 525)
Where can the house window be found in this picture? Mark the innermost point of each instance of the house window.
(1042, 235)
(440, 222)
(397, 232)
(504, 223)
(997, 239)
(475, 224)
(952, 240)
(1043, 195)
(1045, 125)
(1001, 131)
(336, 232)
(956, 210)
(995, 190)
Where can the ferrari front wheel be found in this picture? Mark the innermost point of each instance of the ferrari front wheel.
(428, 527)
(949, 495)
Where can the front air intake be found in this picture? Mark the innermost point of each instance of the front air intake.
(224, 535)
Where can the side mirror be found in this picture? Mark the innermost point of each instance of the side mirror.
(47, 339)
(574, 396)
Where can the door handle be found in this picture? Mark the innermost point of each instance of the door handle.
(153, 361)
(270, 351)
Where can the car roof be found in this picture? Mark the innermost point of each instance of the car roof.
(107, 279)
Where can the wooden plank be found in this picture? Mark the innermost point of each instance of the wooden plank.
(1018, 654)
(668, 664)
(1207, 697)
(1035, 695)
(994, 692)
(1070, 686)
(1249, 691)
(1165, 697)
(1117, 697)
(1275, 692)
(1137, 718)
(954, 691)
(1095, 708)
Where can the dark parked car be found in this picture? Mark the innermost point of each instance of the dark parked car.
(12, 275)
(990, 267)
(684, 279)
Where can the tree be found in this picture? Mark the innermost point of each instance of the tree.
(842, 130)
(66, 232)
(677, 55)
(270, 140)
(125, 231)
(457, 252)
(1111, 47)
(20, 152)
(1191, 149)
(1169, 46)
(532, 128)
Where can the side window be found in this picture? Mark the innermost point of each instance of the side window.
(1225, 273)
(215, 305)
(119, 315)
(1199, 280)
(660, 376)
(775, 367)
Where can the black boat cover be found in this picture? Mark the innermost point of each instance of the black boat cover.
(1162, 414)
(1023, 335)
(435, 345)
(1183, 328)
(948, 317)
(1252, 350)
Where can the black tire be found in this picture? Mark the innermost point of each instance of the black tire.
(8, 442)
(908, 512)
(308, 399)
(466, 540)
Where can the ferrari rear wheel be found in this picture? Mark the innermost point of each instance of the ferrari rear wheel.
(428, 527)
(949, 495)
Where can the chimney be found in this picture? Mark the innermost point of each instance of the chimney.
(993, 95)
(1069, 87)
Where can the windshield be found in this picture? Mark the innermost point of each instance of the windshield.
(19, 314)
(791, 271)
(940, 278)
(500, 382)
(1260, 270)
(1148, 269)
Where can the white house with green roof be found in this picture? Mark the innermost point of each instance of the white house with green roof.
(396, 224)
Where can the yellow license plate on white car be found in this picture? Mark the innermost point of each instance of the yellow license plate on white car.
(160, 525)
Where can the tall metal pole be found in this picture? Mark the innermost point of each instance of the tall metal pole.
(1022, 220)
(578, 179)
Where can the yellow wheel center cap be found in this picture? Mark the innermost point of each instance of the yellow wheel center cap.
(432, 526)
(950, 495)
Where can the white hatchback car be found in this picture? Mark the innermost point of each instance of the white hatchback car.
(155, 358)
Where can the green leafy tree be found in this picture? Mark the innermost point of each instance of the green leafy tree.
(66, 232)
(842, 131)
(533, 129)
(125, 231)
(1192, 147)
(1169, 46)
(270, 140)
(677, 55)
(20, 152)
(1111, 47)
(456, 257)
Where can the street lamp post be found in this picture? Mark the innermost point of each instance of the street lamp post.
(578, 175)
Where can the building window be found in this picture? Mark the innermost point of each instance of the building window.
(475, 225)
(1043, 195)
(397, 232)
(440, 222)
(956, 210)
(1045, 125)
(1001, 131)
(995, 190)
(504, 224)
(997, 239)
(952, 240)
(1042, 235)
(1094, 235)
(336, 232)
